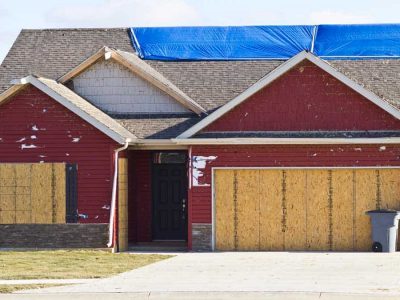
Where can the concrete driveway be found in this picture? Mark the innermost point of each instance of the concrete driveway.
(269, 272)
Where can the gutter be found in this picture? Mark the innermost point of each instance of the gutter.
(284, 141)
(112, 226)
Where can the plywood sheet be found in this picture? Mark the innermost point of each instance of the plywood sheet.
(271, 231)
(224, 195)
(295, 235)
(123, 204)
(32, 193)
(342, 210)
(248, 210)
(310, 209)
(59, 196)
(42, 202)
(317, 210)
(365, 199)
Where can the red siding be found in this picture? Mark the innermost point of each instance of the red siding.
(140, 208)
(33, 118)
(282, 156)
(305, 98)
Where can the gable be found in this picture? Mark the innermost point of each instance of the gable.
(305, 98)
(31, 121)
(116, 90)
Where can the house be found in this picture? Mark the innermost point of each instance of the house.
(104, 141)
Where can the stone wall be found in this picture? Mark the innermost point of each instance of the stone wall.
(201, 237)
(53, 235)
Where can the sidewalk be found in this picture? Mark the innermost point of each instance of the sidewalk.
(197, 296)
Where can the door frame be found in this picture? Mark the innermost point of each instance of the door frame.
(213, 169)
(152, 165)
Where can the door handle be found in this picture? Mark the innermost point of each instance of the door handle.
(183, 208)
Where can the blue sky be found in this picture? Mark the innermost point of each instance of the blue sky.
(15, 15)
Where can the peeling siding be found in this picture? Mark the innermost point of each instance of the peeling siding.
(115, 89)
(23, 116)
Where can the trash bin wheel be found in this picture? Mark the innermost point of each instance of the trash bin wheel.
(377, 247)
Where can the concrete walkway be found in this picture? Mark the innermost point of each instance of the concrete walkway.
(296, 273)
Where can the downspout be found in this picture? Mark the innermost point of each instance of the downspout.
(112, 225)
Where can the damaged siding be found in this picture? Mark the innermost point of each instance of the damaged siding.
(34, 128)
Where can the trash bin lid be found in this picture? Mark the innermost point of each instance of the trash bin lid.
(380, 211)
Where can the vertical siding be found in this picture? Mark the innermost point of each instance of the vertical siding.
(305, 98)
(140, 198)
(282, 156)
(35, 128)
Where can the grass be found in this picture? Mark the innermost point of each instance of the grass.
(70, 264)
(7, 289)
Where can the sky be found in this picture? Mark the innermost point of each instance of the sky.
(29, 14)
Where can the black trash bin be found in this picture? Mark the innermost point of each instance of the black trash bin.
(384, 224)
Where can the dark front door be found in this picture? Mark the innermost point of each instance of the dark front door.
(169, 201)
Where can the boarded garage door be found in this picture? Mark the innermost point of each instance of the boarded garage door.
(300, 209)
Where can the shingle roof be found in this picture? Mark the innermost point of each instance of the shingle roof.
(153, 127)
(52, 53)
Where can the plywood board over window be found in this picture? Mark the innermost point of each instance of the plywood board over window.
(300, 209)
(32, 193)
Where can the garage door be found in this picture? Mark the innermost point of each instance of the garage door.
(300, 209)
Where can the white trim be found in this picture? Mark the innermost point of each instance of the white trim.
(66, 103)
(286, 141)
(279, 71)
(213, 169)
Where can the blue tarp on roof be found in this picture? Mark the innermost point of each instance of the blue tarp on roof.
(358, 41)
(221, 43)
(267, 42)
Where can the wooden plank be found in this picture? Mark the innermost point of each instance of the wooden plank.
(248, 210)
(390, 188)
(365, 199)
(42, 205)
(317, 210)
(123, 204)
(342, 210)
(59, 196)
(224, 194)
(8, 194)
(390, 191)
(270, 191)
(295, 235)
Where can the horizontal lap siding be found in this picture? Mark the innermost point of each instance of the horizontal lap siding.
(283, 156)
(54, 139)
(305, 98)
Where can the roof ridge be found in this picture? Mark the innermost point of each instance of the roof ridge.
(75, 29)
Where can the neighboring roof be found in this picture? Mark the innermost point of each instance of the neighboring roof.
(76, 104)
(279, 71)
(141, 69)
(51, 53)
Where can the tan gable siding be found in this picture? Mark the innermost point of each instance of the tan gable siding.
(114, 89)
